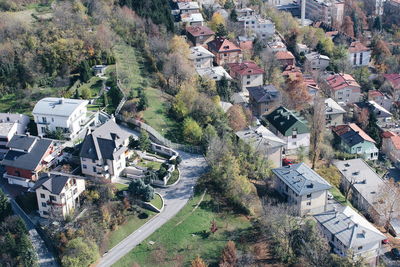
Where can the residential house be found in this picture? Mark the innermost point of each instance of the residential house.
(201, 57)
(244, 12)
(302, 187)
(302, 48)
(246, 44)
(103, 152)
(393, 82)
(276, 45)
(27, 157)
(359, 54)
(351, 235)
(214, 73)
(365, 185)
(254, 25)
(330, 12)
(199, 35)
(317, 61)
(333, 113)
(58, 195)
(353, 140)
(99, 70)
(381, 114)
(60, 114)
(264, 142)
(391, 147)
(343, 88)
(188, 7)
(225, 51)
(380, 98)
(263, 99)
(247, 73)
(10, 125)
(192, 19)
(285, 58)
(290, 127)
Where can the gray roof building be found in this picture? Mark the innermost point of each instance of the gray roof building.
(26, 152)
(301, 179)
(106, 142)
(53, 182)
(58, 106)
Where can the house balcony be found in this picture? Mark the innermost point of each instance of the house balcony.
(104, 168)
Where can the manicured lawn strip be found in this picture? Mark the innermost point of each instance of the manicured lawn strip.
(132, 224)
(174, 177)
(121, 187)
(150, 164)
(339, 197)
(189, 238)
(157, 201)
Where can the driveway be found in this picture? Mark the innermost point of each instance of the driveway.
(191, 168)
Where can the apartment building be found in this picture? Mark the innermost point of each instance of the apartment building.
(330, 12)
(247, 73)
(359, 54)
(225, 51)
(10, 125)
(255, 25)
(343, 88)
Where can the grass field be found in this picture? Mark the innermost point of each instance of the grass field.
(187, 235)
(150, 164)
(132, 224)
(157, 201)
(174, 177)
(121, 187)
(94, 85)
(339, 197)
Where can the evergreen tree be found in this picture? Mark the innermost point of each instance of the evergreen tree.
(144, 141)
(221, 30)
(85, 71)
(373, 129)
(5, 206)
(233, 16)
(223, 89)
(143, 101)
(377, 24)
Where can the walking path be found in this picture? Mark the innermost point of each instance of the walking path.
(191, 168)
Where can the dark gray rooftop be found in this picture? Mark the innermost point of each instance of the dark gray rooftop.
(301, 179)
(54, 183)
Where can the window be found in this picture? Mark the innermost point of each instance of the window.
(248, 82)
(44, 119)
(198, 59)
(355, 59)
(309, 196)
(361, 58)
(84, 166)
(294, 134)
(43, 129)
(360, 248)
(45, 213)
(309, 203)
(52, 198)
(52, 119)
(358, 149)
(44, 205)
(42, 196)
(248, 76)
(75, 191)
(93, 161)
(94, 169)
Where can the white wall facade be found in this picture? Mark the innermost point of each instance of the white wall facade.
(348, 95)
(360, 58)
(251, 81)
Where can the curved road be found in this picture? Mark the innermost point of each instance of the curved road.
(191, 168)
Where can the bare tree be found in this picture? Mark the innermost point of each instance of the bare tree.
(387, 206)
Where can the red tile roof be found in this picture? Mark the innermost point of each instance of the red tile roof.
(340, 81)
(374, 93)
(394, 79)
(281, 55)
(246, 68)
(199, 30)
(357, 46)
(393, 137)
(388, 134)
(221, 45)
(342, 129)
(246, 45)
(292, 70)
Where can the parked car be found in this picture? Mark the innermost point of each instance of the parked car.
(287, 162)
(385, 241)
(396, 253)
(330, 196)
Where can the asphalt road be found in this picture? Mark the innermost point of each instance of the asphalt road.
(175, 199)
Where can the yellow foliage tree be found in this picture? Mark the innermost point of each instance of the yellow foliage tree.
(216, 19)
(179, 45)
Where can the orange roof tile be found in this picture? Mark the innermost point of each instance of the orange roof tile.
(357, 46)
(280, 55)
(340, 81)
(365, 136)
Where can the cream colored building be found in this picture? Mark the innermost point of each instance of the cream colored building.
(334, 113)
(58, 195)
(201, 57)
(302, 188)
(104, 151)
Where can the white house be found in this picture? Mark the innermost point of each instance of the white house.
(343, 88)
(10, 125)
(192, 19)
(60, 114)
(302, 187)
(350, 234)
(333, 113)
(201, 57)
(103, 152)
(317, 61)
(214, 73)
(359, 54)
(247, 73)
(188, 7)
(254, 24)
(58, 194)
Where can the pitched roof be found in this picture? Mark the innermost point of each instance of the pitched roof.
(105, 142)
(301, 179)
(245, 68)
(266, 93)
(283, 55)
(222, 45)
(351, 134)
(315, 55)
(58, 106)
(31, 151)
(393, 78)
(261, 138)
(52, 182)
(394, 138)
(375, 93)
(215, 73)
(340, 81)
(283, 120)
(357, 46)
(331, 107)
(349, 227)
(199, 31)
(199, 52)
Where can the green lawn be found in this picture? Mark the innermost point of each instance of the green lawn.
(121, 187)
(174, 177)
(94, 85)
(157, 201)
(187, 235)
(133, 223)
(339, 197)
(150, 164)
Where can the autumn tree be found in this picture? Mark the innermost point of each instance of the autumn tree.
(297, 92)
(317, 129)
(236, 118)
(216, 20)
(387, 202)
(198, 262)
(348, 26)
(229, 255)
(192, 132)
(80, 252)
(380, 52)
